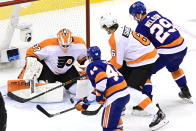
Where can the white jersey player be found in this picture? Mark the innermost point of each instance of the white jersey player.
(131, 47)
(132, 53)
(52, 60)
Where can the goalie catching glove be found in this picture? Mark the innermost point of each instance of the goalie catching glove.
(81, 104)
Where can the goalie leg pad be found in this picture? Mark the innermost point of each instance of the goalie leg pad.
(72, 89)
(84, 88)
(22, 89)
(53, 96)
(15, 85)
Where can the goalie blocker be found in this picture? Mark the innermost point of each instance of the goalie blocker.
(25, 90)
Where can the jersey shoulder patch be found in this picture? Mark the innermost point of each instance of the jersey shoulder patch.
(126, 31)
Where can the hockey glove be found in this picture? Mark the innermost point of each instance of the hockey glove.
(81, 104)
(33, 68)
(82, 72)
(100, 97)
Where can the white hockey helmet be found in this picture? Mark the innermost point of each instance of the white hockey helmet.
(108, 20)
(65, 38)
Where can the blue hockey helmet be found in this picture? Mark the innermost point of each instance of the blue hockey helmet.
(137, 7)
(94, 53)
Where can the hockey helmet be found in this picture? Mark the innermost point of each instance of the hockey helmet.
(137, 8)
(65, 38)
(107, 20)
(94, 53)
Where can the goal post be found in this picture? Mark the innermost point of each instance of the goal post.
(87, 23)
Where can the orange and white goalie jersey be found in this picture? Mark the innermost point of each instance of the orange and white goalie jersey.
(55, 57)
(132, 47)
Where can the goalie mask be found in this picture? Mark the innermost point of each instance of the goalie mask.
(65, 38)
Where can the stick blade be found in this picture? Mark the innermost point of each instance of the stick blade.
(91, 113)
(16, 98)
(43, 111)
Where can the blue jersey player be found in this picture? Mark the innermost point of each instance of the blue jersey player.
(111, 90)
(167, 40)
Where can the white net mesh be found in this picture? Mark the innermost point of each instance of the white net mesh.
(47, 17)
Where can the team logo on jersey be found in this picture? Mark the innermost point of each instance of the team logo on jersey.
(126, 31)
(69, 61)
(92, 72)
(113, 53)
(65, 60)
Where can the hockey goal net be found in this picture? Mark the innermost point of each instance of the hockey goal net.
(43, 18)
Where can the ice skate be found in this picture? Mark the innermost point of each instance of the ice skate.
(123, 111)
(185, 95)
(159, 120)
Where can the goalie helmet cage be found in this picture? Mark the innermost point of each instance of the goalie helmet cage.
(44, 18)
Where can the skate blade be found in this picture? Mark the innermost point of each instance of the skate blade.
(160, 125)
(187, 101)
(140, 113)
(123, 113)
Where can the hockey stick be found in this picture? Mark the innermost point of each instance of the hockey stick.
(91, 113)
(23, 100)
(40, 108)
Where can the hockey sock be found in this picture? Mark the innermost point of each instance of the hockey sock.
(179, 78)
(147, 88)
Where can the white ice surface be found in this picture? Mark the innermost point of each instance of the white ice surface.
(182, 117)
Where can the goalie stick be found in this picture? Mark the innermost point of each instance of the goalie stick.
(40, 108)
(91, 113)
(23, 100)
